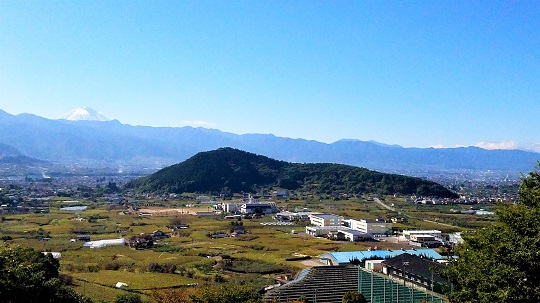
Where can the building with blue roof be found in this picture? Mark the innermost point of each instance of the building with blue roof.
(345, 257)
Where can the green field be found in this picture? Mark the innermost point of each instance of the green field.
(193, 256)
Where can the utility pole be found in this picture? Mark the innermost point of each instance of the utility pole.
(397, 292)
(403, 264)
(431, 285)
(371, 293)
(384, 291)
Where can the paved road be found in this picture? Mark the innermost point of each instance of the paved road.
(384, 205)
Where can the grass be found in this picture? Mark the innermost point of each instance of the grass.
(96, 291)
(135, 280)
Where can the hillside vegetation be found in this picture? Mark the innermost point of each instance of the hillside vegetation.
(227, 170)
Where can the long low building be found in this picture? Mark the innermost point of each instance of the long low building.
(408, 233)
(317, 231)
(344, 258)
(294, 216)
(353, 235)
(261, 208)
(103, 243)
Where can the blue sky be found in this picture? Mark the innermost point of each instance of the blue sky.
(413, 73)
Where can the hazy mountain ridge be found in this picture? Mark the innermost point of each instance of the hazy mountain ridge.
(66, 141)
(8, 151)
(10, 155)
(228, 170)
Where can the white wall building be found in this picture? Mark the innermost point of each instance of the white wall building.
(262, 208)
(231, 207)
(370, 226)
(326, 220)
(433, 232)
(455, 238)
(317, 231)
(374, 265)
(103, 243)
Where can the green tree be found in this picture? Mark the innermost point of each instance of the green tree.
(230, 293)
(500, 263)
(353, 297)
(28, 276)
(128, 298)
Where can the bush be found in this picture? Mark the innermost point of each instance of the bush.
(110, 265)
(257, 247)
(252, 266)
(353, 297)
(93, 268)
(162, 268)
(247, 237)
(66, 279)
(169, 249)
(128, 298)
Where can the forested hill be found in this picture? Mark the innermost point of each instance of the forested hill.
(232, 170)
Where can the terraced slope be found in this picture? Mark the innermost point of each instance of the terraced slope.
(323, 284)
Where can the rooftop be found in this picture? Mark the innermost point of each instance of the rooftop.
(353, 232)
(327, 216)
(417, 265)
(424, 231)
(347, 256)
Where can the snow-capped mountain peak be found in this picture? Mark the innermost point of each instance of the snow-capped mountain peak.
(84, 113)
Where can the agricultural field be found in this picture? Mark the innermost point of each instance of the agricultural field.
(190, 257)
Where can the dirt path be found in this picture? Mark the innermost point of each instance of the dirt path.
(383, 204)
(162, 211)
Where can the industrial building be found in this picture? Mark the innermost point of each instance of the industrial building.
(326, 220)
(375, 227)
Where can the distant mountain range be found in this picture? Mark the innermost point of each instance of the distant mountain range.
(228, 170)
(111, 143)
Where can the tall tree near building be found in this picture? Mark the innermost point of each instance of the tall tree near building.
(500, 263)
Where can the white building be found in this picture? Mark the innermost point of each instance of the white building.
(231, 207)
(103, 243)
(455, 238)
(374, 265)
(326, 220)
(353, 235)
(370, 226)
(293, 216)
(317, 231)
(432, 232)
(261, 208)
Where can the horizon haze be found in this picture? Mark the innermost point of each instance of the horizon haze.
(89, 114)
